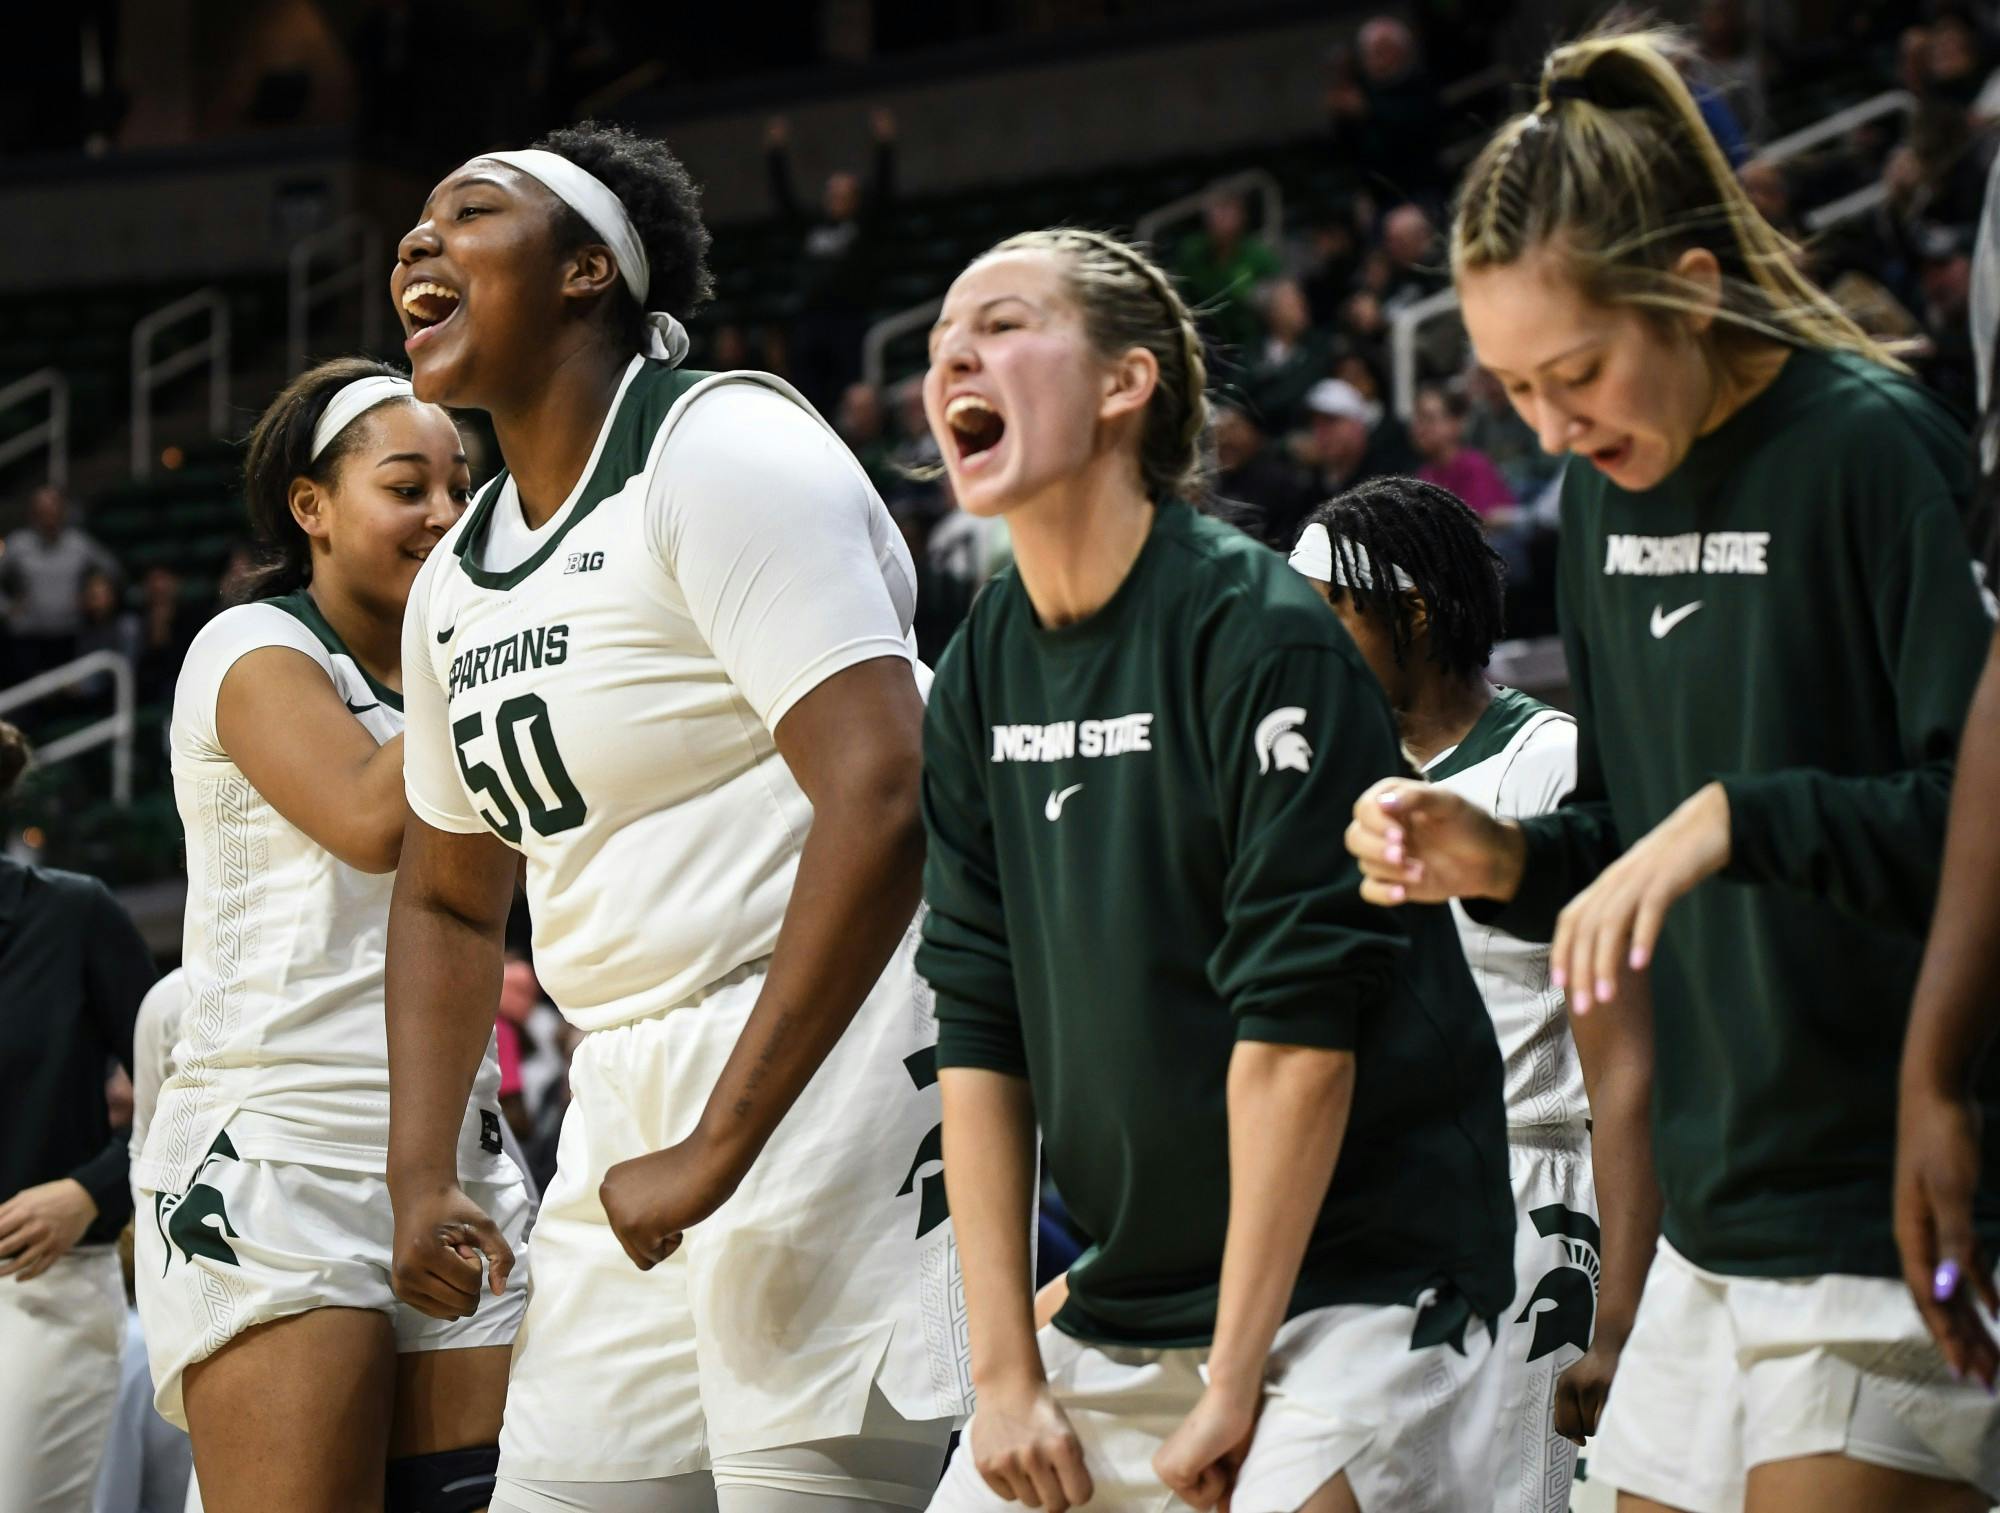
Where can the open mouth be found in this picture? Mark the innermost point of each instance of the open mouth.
(428, 304)
(976, 428)
(1613, 456)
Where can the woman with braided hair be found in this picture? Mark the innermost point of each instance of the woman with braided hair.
(1135, 748)
(1773, 632)
(1406, 567)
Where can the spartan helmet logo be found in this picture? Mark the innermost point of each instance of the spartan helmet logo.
(1278, 742)
(1564, 1303)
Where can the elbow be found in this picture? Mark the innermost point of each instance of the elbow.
(376, 850)
(881, 792)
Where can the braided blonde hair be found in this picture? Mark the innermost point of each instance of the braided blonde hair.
(1127, 301)
(1616, 172)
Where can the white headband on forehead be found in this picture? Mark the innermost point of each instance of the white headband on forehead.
(1314, 558)
(602, 211)
(351, 402)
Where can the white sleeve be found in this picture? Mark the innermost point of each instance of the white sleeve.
(771, 530)
(431, 779)
(155, 1032)
(222, 643)
(1542, 770)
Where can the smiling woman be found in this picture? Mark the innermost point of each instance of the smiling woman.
(666, 659)
(261, 1176)
(1275, 1112)
(1773, 630)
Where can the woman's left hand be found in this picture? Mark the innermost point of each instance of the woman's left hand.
(40, 1225)
(1615, 922)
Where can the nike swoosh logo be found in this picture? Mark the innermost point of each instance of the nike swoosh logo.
(1053, 808)
(1663, 623)
(445, 635)
(353, 708)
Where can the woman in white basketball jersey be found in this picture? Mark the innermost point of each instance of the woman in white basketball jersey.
(665, 658)
(264, 1225)
(1407, 569)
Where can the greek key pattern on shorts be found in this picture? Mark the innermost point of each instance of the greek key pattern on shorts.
(1428, 1450)
(946, 1331)
(235, 901)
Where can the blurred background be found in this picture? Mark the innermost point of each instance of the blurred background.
(203, 195)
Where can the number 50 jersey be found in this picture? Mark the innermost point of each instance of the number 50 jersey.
(600, 693)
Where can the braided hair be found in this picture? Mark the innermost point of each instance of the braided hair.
(1127, 301)
(1430, 534)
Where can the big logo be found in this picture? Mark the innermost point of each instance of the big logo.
(932, 1207)
(197, 1223)
(1564, 1303)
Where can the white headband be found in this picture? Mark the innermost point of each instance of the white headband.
(1314, 558)
(590, 197)
(351, 402)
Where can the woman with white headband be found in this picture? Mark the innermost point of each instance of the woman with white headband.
(264, 1229)
(1406, 568)
(666, 658)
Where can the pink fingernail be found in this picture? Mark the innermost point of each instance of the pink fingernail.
(1393, 853)
(1638, 959)
(1604, 990)
(1399, 893)
(1559, 977)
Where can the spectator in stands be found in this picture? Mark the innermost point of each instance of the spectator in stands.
(1770, 190)
(1732, 62)
(1386, 115)
(1494, 427)
(1416, 266)
(167, 626)
(103, 624)
(1326, 264)
(1944, 275)
(838, 258)
(865, 428)
(1221, 268)
(1389, 449)
(1342, 425)
(41, 576)
(1438, 429)
(1259, 488)
(1292, 357)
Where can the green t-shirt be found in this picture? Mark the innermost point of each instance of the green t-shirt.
(1135, 861)
(1794, 613)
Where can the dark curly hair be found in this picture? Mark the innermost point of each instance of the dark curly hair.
(1431, 534)
(664, 203)
(279, 450)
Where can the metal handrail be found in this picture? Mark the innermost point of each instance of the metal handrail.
(52, 433)
(1260, 180)
(875, 341)
(1839, 124)
(115, 729)
(1403, 346)
(304, 293)
(148, 375)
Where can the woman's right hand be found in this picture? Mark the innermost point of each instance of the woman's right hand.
(441, 1236)
(1421, 844)
(1025, 1450)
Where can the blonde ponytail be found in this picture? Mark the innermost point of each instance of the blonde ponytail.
(1616, 172)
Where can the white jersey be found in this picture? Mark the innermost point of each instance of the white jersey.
(1518, 761)
(282, 1038)
(601, 692)
(155, 1032)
